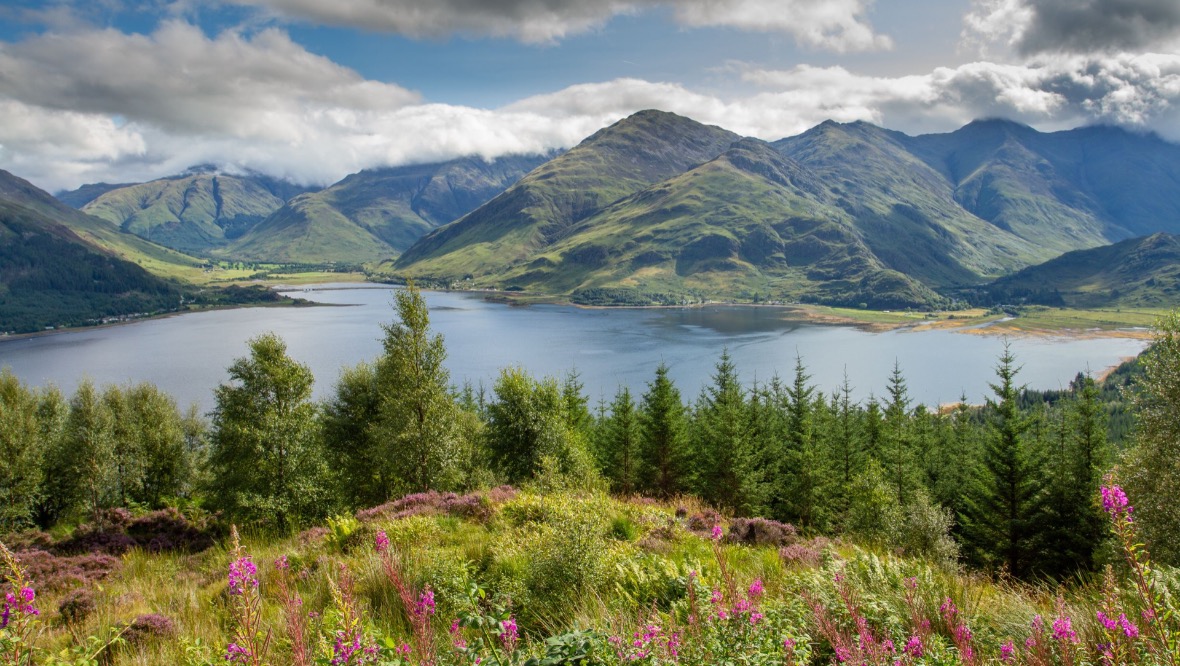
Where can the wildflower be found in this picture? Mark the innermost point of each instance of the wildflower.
(716, 532)
(509, 633)
(381, 542)
(755, 617)
(1129, 629)
(1063, 630)
(236, 654)
(20, 604)
(1007, 651)
(282, 564)
(756, 588)
(913, 646)
(1114, 500)
(1106, 621)
(789, 644)
(912, 582)
(425, 605)
(242, 574)
(404, 648)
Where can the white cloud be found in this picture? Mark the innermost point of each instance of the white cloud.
(839, 25)
(102, 105)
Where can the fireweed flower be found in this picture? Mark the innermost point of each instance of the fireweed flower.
(716, 532)
(1063, 630)
(242, 574)
(913, 646)
(1129, 629)
(509, 633)
(381, 542)
(236, 654)
(756, 589)
(1007, 651)
(425, 605)
(1114, 500)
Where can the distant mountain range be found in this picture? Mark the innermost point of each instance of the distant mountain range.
(847, 214)
(59, 266)
(660, 208)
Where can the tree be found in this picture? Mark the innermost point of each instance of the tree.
(22, 453)
(417, 427)
(663, 448)
(1152, 471)
(806, 478)
(619, 447)
(526, 424)
(165, 464)
(1004, 511)
(721, 448)
(265, 460)
(346, 421)
(897, 454)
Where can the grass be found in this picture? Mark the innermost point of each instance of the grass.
(559, 562)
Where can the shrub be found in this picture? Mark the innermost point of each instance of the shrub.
(76, 607)
(760, 532)
(146, 628)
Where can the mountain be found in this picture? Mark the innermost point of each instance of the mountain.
(378, 213)
(1088, 186)
(536, 212)
(61, 267)
(87, 193)
(843, 213)
(1138, 272)
(196, 212)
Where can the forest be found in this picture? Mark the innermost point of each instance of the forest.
(769, 523)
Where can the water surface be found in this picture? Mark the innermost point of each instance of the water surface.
(188, 355)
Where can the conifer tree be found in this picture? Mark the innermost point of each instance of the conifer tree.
(897, 448)
(620, 444)
(663, 455)
(721, 447)
(1004, 512)
(845, 445)
(347, 421)
(806, 482)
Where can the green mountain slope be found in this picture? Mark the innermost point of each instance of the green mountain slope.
(61, 267)
(1138, 272)
(538, 211)
(855, 213)
(87, 193)
(905, 209)
(195, 212)
(1061, 190)
(378, 213)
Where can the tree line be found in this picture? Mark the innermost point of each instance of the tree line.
(1007, 486)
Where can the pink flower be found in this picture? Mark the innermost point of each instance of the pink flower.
(1063, 630)
(282, 564)
(1114, 500)
(756, 588)
(381, 542)
(242, 574)
(913, 646)
(1007, 651)
(509, 633)
(1129, 629)
(716, 532)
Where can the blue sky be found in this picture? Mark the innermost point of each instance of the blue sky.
(120, 91)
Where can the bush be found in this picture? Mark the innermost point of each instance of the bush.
(146, 628)
(76, 607)
(760, 532)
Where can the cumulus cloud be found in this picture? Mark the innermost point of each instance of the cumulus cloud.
(104, 106)
(839, 25)
(1134, 90)
(1074, 26)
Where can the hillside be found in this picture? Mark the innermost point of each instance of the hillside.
(61, 267)
(87, 193)
(532, 215)
(196, 212)
(858, 214)
(378, 213)
(1138, 272)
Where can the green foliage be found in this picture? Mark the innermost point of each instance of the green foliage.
(725, 475)
(1005, 508)
(1152, 469)
(663, 455)
(528, 424)
(618, 444)
(266, 463)
(22, 453)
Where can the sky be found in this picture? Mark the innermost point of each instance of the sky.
(313, 90)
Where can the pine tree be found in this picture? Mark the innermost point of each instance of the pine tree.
(1004, 512)
(897, 446)
(663, 454)
(721, 447)
(620, 444)
(806, 481)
